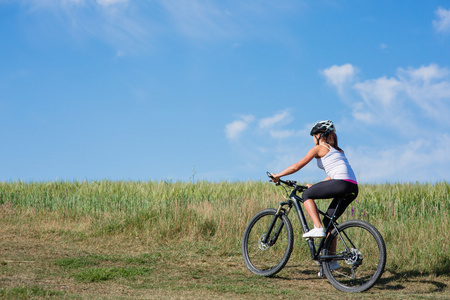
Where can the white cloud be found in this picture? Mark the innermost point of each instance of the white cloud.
(417, 160)
(412, 105)
(270, 143)
(379, 101)
(200, 19)
(72, 1)
(424, 91)
(424, 74)
(396, 101)
(429, 88)
(212, 20)
(340, 76)
(109, 2)
(406, 116)
(234, 129)
(442, 24)
(382, 90)
(281, 117)
(119, 23)
(266, 126)
(137, 26)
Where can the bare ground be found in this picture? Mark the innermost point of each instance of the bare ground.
(51, 264)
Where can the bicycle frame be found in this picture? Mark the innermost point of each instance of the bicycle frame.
(359, 267)
(294, 201)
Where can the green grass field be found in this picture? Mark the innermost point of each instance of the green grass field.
(182, 240)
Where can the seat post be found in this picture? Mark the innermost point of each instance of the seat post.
(333, 217)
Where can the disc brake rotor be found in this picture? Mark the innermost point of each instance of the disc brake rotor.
(354, 258)
(262, 246)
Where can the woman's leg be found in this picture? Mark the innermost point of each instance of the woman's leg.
(353, 188)
(333, 246)
(325, 190)
(311, 209)
(352, 193)
(319, 190)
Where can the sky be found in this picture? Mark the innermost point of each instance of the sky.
(221, 90)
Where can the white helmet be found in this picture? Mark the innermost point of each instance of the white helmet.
(323, 127)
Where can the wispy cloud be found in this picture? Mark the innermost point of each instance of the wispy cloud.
(395, 101)
(269, 127)
(442, 23)
(109, 2)
(417, 160)
(201, 19)
(272, 141)
(379, 100)
(413, 104)
(429, 88)
(340, 76)
(234, 130)
(217, 20)
(118, 23)
(283, 117)
(137, 26)
(384, 47)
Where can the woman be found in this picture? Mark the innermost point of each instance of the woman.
(340, 183)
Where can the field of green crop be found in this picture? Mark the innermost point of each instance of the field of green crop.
(90, 232)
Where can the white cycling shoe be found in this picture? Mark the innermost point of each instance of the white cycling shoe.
(315, 233)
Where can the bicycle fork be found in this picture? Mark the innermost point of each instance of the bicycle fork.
(281, 210)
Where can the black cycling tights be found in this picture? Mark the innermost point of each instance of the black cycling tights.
(334, 188)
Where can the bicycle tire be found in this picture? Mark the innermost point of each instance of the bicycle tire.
(263, 259)
(366, 261)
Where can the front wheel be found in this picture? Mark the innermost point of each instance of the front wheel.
(267, 256)
(363, 256)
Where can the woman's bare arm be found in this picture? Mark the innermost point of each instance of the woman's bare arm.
(298, 165)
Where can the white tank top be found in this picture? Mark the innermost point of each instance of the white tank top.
(336, 165)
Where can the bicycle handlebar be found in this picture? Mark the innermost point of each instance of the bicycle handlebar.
(290, 183)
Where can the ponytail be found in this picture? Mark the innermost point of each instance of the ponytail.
(331, 138)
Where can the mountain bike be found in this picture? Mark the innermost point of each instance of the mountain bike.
(356, 245)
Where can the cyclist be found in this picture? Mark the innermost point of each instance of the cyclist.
(339, 184)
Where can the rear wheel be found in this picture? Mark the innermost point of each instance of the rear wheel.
(267, 259)
(364, 254)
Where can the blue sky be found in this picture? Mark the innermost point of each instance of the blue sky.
(222, 90)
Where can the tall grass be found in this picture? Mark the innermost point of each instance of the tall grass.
(413, 218)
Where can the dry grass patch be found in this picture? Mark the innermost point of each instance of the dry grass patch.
(182, 241)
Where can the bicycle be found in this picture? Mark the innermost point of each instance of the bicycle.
(268, 242)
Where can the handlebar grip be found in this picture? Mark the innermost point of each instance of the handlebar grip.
(271, 178)
(301, 188)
